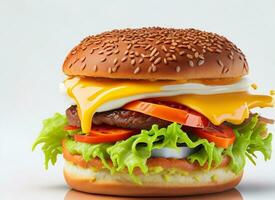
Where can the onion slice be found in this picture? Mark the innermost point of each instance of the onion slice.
(181, 152)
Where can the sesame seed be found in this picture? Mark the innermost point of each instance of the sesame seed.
(137, 70)
(225, 70)
(124, 59)
(103, 59)
(133, 62)
(140, 60)
(126, 52)
(100, 52)
(174, 44)
(168, 54)
(157, 61)
(230, 57)
(115, 61)
(170, 59)
(201, 56)
(174, 57)
(109, 70)
(156, 54)
(129, 46)
(200, 62)
(91, 51)
(158, 42)
(152, 58)
(154, 68)
(153, 52)
(209, 49)
(181, 53)
(220, 63)
(76, 60)
(164, 48)
(191, 63)
(147, 47)
(115, 68)
(95, 68)
(189, 56)
(83, 66)
(109, 53)
(219, 46)
(83, 59)
(178, 69)
(196, 54)
(165, 61)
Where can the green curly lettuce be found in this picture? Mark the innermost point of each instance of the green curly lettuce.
(51, 137)
(89, 151)
(135, 151)
(248, 141)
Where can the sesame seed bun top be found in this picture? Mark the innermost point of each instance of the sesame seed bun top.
(156, 54)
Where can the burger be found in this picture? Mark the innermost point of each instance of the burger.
(156, 112)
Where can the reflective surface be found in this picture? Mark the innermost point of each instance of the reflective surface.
(233, 194)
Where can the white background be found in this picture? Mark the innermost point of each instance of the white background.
(35, 37)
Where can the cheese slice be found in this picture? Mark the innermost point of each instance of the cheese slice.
(218, 108)
(89, 94)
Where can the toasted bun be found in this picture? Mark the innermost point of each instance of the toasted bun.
(156, 54)
(154, 184)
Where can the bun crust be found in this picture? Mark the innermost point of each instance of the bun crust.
(102, 182)
(156, 54)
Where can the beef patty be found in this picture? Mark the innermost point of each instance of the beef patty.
(120, 118)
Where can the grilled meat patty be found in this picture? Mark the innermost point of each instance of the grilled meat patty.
(120, 118)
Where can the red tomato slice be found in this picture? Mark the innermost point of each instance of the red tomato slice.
(70, 128)
(104, 134)
(222, 136)
(182, 115)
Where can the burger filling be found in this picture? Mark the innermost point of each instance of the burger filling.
(179, 132)
(119, 118)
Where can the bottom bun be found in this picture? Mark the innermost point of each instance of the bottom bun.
(232, 194)
(153, 184)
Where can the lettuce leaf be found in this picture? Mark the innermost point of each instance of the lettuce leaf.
(51, 137)
(248, 141)
(135, 151)
(89, 151)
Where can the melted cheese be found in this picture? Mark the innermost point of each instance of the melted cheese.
(91, 94)
(218, 108)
